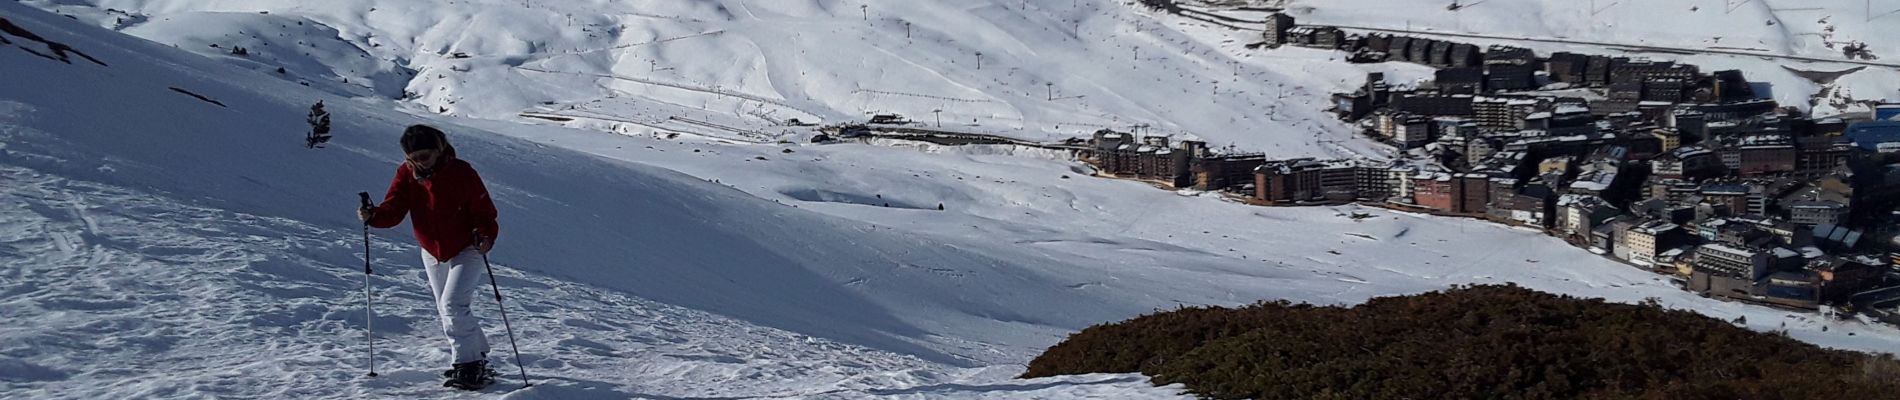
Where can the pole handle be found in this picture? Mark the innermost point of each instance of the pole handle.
(364, 197)
(366, 206)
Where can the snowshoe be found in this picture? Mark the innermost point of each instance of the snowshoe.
(489, 372)
(472, 375)
(470, 386)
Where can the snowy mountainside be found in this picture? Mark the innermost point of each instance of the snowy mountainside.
(1050, 70)
(137, 296)
(308, 52)
(640, 267)
(166, 246)
(1031, 69)
(723, 250)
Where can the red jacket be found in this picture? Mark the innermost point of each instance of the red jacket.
(447, 209)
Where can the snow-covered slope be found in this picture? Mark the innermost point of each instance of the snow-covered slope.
(1034, 69)
(164, 246)
(1047, 70)
(308, 52)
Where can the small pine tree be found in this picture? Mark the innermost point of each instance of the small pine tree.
(319, 121)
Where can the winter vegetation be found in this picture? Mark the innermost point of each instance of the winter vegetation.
(1487, 341)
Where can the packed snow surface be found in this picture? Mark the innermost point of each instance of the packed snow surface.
(160, 246)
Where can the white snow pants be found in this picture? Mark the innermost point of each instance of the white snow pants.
(454, 282)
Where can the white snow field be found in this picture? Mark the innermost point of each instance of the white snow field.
(750, 64)
(160, 246)
(1048, 69)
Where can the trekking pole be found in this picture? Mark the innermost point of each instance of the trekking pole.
(504, 316)
(369, 302)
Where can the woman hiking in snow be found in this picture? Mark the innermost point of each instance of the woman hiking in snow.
(454, 220)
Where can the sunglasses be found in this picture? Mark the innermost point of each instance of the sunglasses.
(423, 157)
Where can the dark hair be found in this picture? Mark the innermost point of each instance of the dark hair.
(422, 137)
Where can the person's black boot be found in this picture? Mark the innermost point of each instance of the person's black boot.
(470, 375)
(490, 372)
